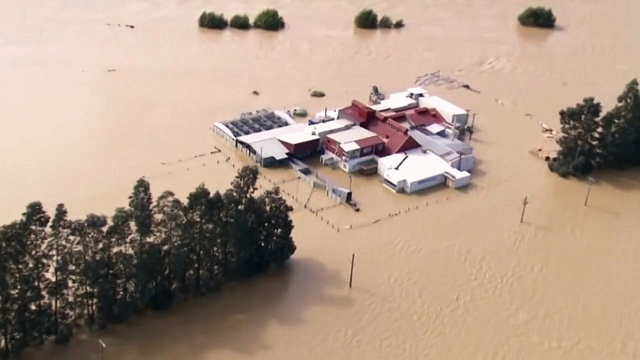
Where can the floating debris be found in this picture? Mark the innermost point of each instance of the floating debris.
(437, 79)
(317, 93)
(255, 92)
(111, 70)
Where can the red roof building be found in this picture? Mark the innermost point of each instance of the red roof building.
(357, 112)
(392, 127)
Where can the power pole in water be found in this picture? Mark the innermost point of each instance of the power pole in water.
(591, 181)
(102, 347)
(353, 257)
(473, 126)
(524, 207)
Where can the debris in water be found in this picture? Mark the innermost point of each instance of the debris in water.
(130, 26)
(255, 92)
(437, 79)
(317, 93)
(111, 70)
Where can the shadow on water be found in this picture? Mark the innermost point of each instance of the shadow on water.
(536, 36)
(234, 319)
(625, 180)
(477, 172)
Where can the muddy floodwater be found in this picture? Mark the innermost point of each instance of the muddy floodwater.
(453, 275)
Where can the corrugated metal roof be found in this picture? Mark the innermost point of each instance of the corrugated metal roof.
(271, 134)
(353, 134)
(395, 104)
(297, 138)
(441, 105)
(329, 126)
(270, 148)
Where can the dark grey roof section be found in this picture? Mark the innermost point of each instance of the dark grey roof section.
(250, 123)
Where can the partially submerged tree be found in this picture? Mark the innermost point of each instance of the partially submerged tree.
(241, 22)
(385, 22)
(269, 19)
(589, 141)
(212, 20)
(60, 288)
(140, 206)
(38, 260)
(537, 17)
(366, 19)
(52, 276)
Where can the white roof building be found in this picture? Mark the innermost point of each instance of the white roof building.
(271, 134)
(353, 134)
(328, 127)
(452, 113)
(395, 104)
(297, 137)
(419, 169)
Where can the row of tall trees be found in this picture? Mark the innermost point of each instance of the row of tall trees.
(57, 273)
(591, 140)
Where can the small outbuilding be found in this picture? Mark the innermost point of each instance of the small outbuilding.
(300, 144)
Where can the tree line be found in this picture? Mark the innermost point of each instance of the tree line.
(590, 140)
(58, 273)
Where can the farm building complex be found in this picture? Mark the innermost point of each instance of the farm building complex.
(413, 140)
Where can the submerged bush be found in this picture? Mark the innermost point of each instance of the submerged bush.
(366, 19)
(537, 17)
(398, 24)
(240, 22)
(212, 20)
(385, 22)
(269, 19)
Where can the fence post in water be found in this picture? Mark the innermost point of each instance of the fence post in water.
(102, 347)
(591, 181)
(353, 256)
(524, 207)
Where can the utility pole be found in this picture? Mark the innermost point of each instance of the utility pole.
(353, 257)
(102, 347)
(590, 180)
(524, 207)
(472, 127)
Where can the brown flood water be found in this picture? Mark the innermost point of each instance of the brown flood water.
(457, 277)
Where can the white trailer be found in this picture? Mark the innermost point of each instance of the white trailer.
(453, 114)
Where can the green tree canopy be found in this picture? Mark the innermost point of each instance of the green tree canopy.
(56, 273)
(590, 141)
